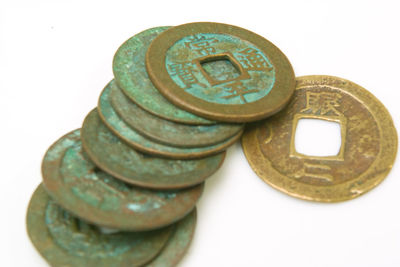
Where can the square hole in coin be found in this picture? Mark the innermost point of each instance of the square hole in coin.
(220, 69)
(318, 138)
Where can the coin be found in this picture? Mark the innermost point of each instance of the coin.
(64, 240)
(164, 131)
(131, 75)
(177, 244)
(120, 160)
(139, 142)
(367, 152)
(221, 72)
(75, 183)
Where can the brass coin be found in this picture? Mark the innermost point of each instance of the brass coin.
(131, 75)
(76, 184)
(141, 143)
(64, 240)
(120, 160)
(177, 244)
(221, 72)
(164, 131)
(367, 153)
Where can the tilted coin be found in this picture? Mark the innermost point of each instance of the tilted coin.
(164, 131)
(75, 183)
(177, 244)
(139, 142)
(367, 152)
(117, 158)
(221, 72)
(131, 75)
(64, 240)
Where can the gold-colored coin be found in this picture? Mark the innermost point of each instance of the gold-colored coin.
(368, 148)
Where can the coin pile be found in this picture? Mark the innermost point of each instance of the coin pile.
(122, 190)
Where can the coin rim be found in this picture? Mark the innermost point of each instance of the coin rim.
(278, 97)
(162, 153)
(373, 176)
(125, 81)
(129, 222)
(36, 207)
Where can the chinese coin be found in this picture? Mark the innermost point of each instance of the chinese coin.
(367, 152)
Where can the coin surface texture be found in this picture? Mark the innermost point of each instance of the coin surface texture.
(129, 135)
(76, 184)
(123, 162)
(64, 240)
(131, 75)
(221, 72)
(367, 152)
(165, 131)
(177, 244)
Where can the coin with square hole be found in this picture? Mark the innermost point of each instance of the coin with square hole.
(64, 240)
(80, 187)
(367, 147)
(221, 72)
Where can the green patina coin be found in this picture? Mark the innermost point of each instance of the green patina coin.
(177, 244)
(120, 160)
(221, 72)
(131, 75)
(164, 131)
(64, 240)
(74, 182)
(139, 142)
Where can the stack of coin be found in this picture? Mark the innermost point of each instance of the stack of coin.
(122, 190)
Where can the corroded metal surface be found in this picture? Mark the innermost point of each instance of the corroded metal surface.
(177, 244)
(74, 182)
(164, 131)
(64, 240)
(115, 157)
(139, 142)
(131, 75)
(367, 153)
(220, 71)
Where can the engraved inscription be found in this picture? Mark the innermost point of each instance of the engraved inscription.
(251, 78)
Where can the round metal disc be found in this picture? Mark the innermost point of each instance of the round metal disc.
(221, 72)
(131, 75)
(164, 131)
(368, 147)
(123, 162)
(177, 244)
(75, 183)
(64, 240)
(139, 142)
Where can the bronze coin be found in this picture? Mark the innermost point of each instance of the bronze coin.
(366, 155)
(177, 244)
(117, 158)
(76, 184)
(131, 75)
(111, 119)
(164, 131)
(221, 72)
(64, 240)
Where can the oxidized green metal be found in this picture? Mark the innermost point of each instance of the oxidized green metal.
(221, 72)
(64, 240)
(177, 244)
(74, 182)
(133, 167)
(131, 75)
(139, 142)
(164, 131)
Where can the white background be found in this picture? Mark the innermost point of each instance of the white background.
(55, 58)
